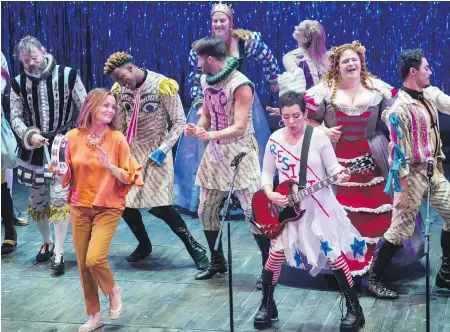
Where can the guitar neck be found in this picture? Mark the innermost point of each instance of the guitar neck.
(316, 187)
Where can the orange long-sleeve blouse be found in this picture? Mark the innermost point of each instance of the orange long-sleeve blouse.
(91, 184)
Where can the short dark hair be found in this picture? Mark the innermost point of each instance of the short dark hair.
(292, 98)
(409, 59)
(211, 46)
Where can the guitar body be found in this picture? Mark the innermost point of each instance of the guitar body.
(269, 218)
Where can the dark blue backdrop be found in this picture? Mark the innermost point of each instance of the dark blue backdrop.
(159, 34)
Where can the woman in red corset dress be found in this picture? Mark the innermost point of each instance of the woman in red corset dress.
(349, 102)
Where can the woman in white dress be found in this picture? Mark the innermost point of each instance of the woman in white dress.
(324, 235)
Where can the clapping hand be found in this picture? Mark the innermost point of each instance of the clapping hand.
(190, 129)
(202, 134)
(384, 115)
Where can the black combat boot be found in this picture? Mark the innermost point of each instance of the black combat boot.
(218, 264)
(268, 312)
(443, 276)
(354, 319)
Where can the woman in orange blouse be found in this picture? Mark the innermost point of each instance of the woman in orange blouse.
(101, 171)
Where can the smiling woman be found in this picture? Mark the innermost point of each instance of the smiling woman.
(349, 102)
(239, 44)
(97, 197)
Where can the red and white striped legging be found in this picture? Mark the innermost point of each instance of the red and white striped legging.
(276, 259)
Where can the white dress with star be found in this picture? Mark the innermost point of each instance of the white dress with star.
(324, 231)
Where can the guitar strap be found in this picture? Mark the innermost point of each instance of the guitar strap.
(304, 156)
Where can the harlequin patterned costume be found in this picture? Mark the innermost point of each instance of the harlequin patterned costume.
(414, 127)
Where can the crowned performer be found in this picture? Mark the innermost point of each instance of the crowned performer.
(240, 44)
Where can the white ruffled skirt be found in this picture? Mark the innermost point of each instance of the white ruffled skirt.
(324, 232)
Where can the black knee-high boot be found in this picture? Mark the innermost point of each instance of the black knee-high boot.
(133, 218)
(443, 276)
(218, 263)
(381, 258)
(354, 319)
(268, 311)
(10, 242)
(178, 226)
(264, 246)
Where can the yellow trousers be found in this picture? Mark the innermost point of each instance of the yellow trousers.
(93, 229)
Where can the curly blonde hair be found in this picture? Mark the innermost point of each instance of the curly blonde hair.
(333, 75)
(116, 60)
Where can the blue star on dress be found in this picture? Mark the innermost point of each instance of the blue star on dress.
(325, 247)
(298, 259)
(358, 247)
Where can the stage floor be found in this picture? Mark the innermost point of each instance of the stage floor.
(160, 293)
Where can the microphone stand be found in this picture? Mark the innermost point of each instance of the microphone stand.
(427, 255)
(236, 161)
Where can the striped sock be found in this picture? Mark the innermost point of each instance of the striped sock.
(341, 263)
(274, 262)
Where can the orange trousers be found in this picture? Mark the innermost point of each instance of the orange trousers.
(92, 230)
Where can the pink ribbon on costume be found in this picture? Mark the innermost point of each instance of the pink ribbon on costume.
(132, 129)
(5, 75)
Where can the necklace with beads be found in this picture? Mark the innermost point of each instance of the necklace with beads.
(93, 141)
